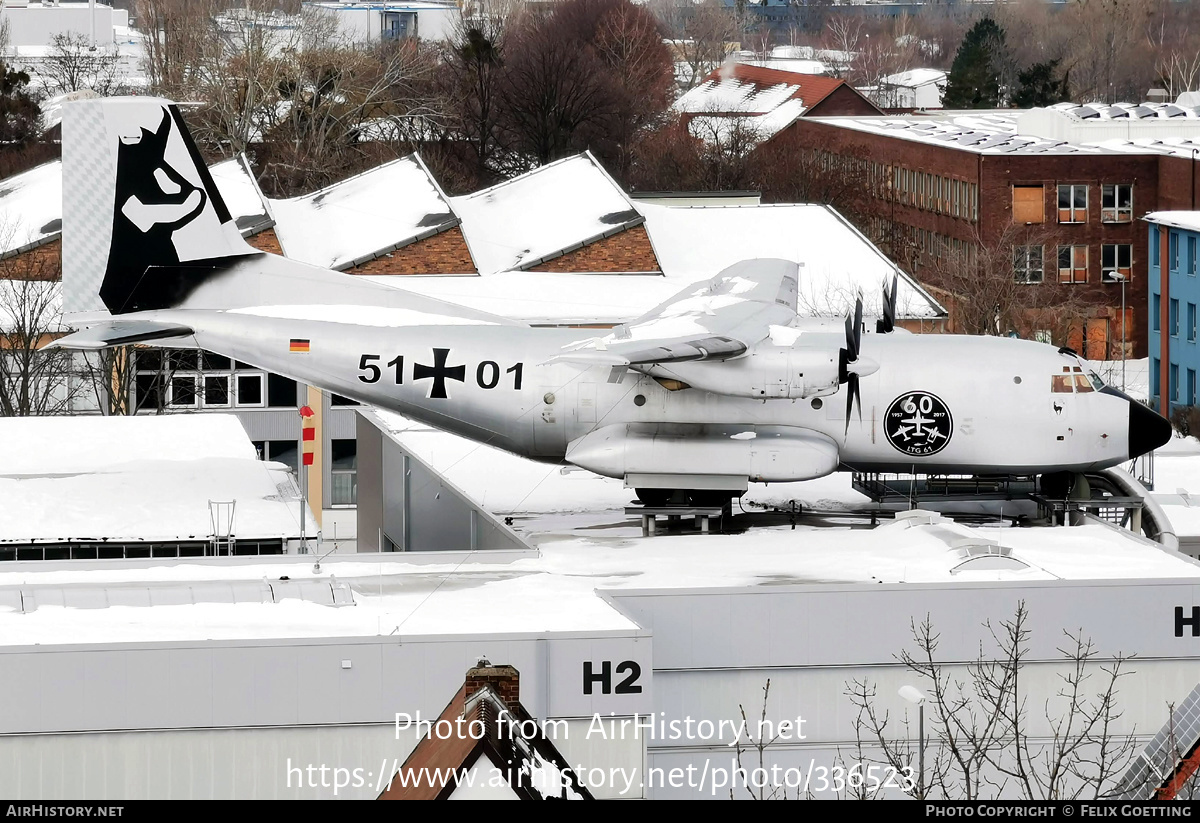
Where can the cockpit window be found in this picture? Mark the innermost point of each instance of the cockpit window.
(1097, 383)
(1082, 384)
(1062, 384)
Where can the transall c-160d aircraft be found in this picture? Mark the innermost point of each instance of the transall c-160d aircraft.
(722, 385)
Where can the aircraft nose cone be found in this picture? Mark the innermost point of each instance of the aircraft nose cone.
(1147, 429)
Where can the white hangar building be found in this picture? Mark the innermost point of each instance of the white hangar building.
(229, 678)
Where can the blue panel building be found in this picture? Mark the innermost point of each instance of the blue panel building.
(1174, 297)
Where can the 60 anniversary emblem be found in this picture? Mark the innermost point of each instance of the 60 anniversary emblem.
(918, 423)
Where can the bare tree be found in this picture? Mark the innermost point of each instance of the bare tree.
(74, 64)
(1010, 284)
(706, 37)
(983, 740)
(33, 381)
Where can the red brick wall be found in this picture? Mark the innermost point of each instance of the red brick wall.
(265, 241)
(842, 101)
(629, 250)
(41, 263)
(1159, 182)
(443, 253)
(504, 680)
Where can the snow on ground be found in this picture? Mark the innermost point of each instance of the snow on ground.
(137, 478)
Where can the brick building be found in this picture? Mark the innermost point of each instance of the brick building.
(1073, 178)
(764, 101)
(567, 216)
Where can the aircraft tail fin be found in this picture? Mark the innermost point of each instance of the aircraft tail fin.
(145, 225)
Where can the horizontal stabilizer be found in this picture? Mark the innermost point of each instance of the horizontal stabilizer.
(120, 333)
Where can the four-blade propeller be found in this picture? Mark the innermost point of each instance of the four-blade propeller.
(851, 365)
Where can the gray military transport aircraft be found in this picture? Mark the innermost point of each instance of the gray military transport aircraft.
(721, 385)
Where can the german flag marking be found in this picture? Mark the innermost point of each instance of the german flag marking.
(298, 345)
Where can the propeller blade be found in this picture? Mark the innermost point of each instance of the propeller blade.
(853, 398)
(858, 310)
(890, 296)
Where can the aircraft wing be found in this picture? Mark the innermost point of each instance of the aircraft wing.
(119, 333)
(713, 320)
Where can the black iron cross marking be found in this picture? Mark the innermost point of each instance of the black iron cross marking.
(439, 372)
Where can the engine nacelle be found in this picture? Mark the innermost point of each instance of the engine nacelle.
(765, 372)
(770, 454)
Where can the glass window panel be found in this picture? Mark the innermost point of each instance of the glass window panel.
(344, 454)
(215, 362)
(281, 392)
(183, 390)
(249, 389)
(216, 390)
(283, 451)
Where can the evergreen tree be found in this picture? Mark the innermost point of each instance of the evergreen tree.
(20, 116)
(974, 80)
(1040, 85)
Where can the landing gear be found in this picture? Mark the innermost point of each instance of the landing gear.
(656, 497)
(685, 497)
(710, 497)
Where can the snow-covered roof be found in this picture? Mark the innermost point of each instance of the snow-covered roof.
(916, 77)
(724, 129)
(242, 195)
(837, 261)
(529, 219)
(31, 208)
(727, 92)
(362, 217)
(1126, 111)
(140, 478)
(1187, 220)
(1148, 128)
(31, 203)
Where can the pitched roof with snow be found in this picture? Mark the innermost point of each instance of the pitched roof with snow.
(30, 208)
(913, 78)
(31, 203)
(837, 262)
(553, 209)
(765, 100)
(358, 219)
(242, 195)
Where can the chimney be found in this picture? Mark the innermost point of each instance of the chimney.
(504, 680)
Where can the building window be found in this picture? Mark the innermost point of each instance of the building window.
(343, 472)
(1173, 378)
(1155, 383)
(1191, 387)
(338, 400)
(1173, 250)
(1174, 318)
(1156, 313)
(1072, 264)
(279, 451)
(250, 389)
(1116, 258)
(1072, 203)
(281, 392)
(1116, 203)
(1029, 205)
(1191, 255)
(1154, 246)
(1027, 264)
(1191, 322)
(191, 379)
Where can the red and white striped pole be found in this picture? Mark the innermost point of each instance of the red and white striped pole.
(308, 438)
